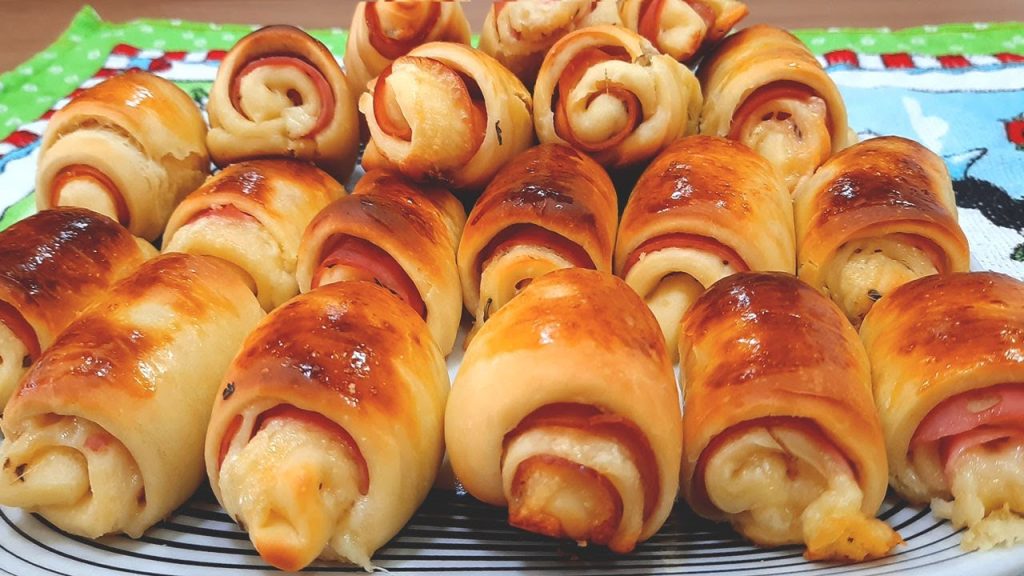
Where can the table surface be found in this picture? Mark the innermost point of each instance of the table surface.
(28, 27)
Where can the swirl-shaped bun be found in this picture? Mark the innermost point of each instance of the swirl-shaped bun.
(682, 28)
(129, 148)
(105, 433)
(763, 87)
(280, 93)
(383, 31)
(398, 234)
(704, 209)
(326, 434)
(518, 34)
(947, 357)
(565, 410)
(875, 216)
(252, 214)
(551, 207)
(606, 91)
(446, 112)
(781, 435)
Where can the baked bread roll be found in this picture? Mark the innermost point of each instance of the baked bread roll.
(763, 87)
(383, 31)
(551, 207)
(948, 368)
(682, 28)
(397, 234)
(566, 411)
(780, 432)
(280, 93)
(130, 148)
(606, 91)
(326, 435)
(105, 432)
(253, 214)
(52, 265)
(706, 208)
(518, 34)
(446, 112)
(876, 216)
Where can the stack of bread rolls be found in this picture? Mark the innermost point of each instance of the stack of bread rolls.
(289, 344)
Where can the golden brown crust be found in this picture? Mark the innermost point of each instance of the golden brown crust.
(876, 189)
(771, 59)
(142, 364)
(572, 336)
(934, 338)
(762, 345)
(360, 357)
(83, 254)
(551, 186)
(235, 137)
(711, 187)
(104, 358)
(415, 224)
(131, 147)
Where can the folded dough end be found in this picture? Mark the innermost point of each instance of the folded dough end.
(292, 487)
(55, 476)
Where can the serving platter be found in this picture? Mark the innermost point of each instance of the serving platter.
(964, 113)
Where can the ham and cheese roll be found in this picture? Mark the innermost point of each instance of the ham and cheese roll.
(947, 357)
(397, 234)
(130, 148)
(446, 112)
(876, 216)
(105, 432)
(763, 87)
(606, 91)
(682, 28)
(565, 410)
(382, 31)
(780, 432)
(52, 265)
(706, 208)
(552, 207)
(521, 32)
(253, 214)
(280, 93)
(326, 435)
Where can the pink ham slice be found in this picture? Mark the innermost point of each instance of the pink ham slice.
(326, 114)
(972, 419)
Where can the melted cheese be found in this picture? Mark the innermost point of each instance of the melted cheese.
(506, 274)
(865, 270)
(75, 474)
(792, 135)
(570, 506)
(681, 29)
(778, 487)
(292, 486)
(265, 99)
(987, 486)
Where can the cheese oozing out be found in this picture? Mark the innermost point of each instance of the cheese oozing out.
(787, 484)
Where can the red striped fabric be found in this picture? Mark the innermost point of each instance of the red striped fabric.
(953, 61)
(839, 57)
(898, 60)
